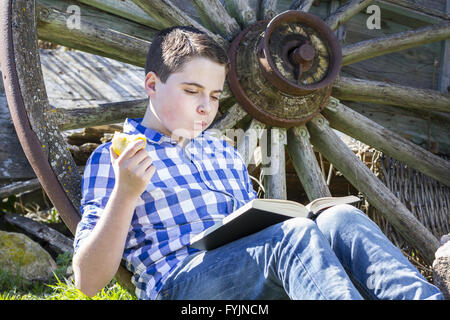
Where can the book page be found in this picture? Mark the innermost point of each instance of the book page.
(325, 202)
(286, 207)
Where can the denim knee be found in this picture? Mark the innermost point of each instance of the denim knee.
(297, 224)
(340, 217)
(297, 231)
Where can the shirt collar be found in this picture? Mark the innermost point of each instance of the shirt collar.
(134, 126)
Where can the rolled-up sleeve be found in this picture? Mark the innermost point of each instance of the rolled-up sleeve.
(96, 187)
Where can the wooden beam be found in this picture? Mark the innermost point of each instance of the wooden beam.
(345, 12)
(395, 42)
(371, 133)
(216, 18)
(170, 15)
(94, 115)
(98, 33)
(41, 233)
(353, 89)
(305, 163)
(360, 176)
(301, 5)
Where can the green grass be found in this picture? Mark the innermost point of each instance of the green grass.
(12, 287)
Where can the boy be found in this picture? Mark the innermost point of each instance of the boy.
(146, 205)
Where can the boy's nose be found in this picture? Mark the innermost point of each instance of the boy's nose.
(204, 109)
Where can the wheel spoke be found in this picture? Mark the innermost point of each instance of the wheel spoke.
(98, 33)
(301, 5)
(249, 142)
(242, 11)
(371, 133)
(353, 89)
(229, 119)
(345, 12)
(305, 163)
(395, 42)
(275, 173)
(268, 9)
(360, 176)
(170, 15)
(216, 18)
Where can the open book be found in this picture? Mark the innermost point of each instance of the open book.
(259, 214)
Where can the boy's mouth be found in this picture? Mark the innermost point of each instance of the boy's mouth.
(200, 125)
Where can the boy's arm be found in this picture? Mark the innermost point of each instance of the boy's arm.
(99, 254)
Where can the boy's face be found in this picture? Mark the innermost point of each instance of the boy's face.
(187, 103)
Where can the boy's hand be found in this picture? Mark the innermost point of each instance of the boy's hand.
(133, 169)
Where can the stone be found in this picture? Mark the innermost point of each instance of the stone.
(18, 253)
(441, 267)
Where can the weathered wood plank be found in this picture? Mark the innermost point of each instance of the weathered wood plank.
(42, 233)
(360, 176)
(98, 33)
(353, 89)
(369, 132)
(396, 42)
(19, 187)
(305, 163)
(100, 114)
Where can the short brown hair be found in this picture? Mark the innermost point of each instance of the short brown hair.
(172, 47)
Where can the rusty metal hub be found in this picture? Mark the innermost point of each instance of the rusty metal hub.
(282, 70)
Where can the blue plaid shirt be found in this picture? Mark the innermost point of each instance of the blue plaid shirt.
(193, 188)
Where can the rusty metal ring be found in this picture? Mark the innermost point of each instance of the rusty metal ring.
(270, 70)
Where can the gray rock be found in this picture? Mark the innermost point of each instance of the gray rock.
(18, 253)
(441, 267)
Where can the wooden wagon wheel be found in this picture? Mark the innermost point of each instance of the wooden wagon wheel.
(125, 33)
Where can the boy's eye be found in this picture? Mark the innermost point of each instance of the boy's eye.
(215, 98)
(190, 91)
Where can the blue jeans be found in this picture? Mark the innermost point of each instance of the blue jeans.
(342, 255)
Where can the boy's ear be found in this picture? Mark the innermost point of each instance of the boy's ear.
(150, 83)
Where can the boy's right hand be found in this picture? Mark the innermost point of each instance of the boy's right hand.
(133, 169)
